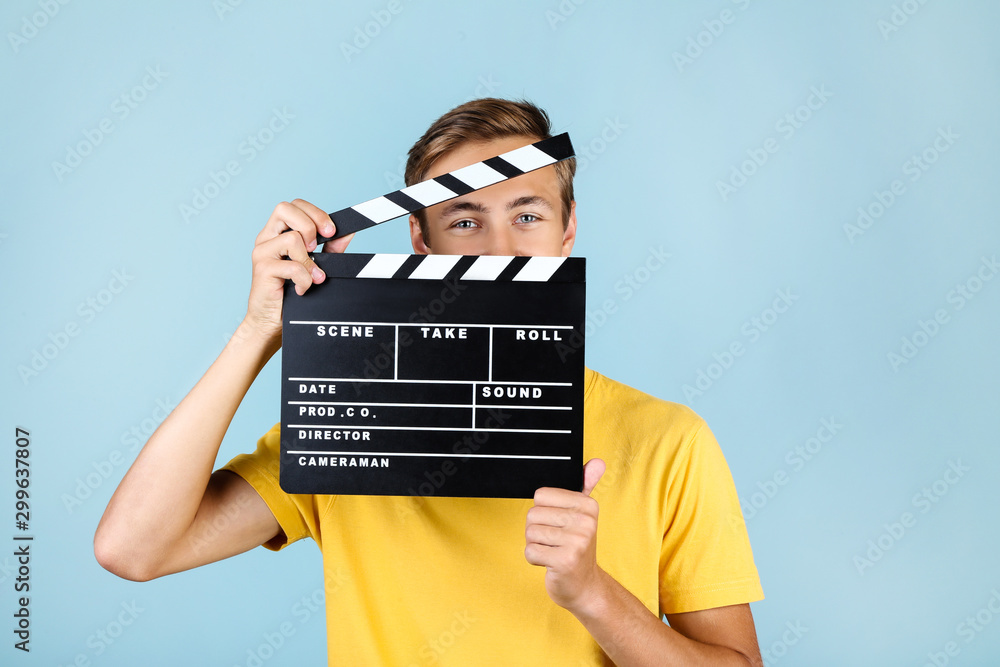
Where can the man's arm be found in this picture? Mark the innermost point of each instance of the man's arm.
(561, 535)
(631, 635)
(161, 519)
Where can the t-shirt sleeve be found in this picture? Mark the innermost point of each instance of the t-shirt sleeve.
(706, 560)
(297, 514)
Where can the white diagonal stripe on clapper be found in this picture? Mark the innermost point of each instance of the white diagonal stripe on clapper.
(379, 209)
(539, 269)
(434, 267)
(429, 192)
(487, 267)
(528, 158)
(382, 265)
(478, 175)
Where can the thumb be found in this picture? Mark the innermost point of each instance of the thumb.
(592, 472)
(338, 245)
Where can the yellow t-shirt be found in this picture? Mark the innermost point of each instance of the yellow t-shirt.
(415, 581)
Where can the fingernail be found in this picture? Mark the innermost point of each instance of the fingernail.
(311, 246)
(317, 274)
(329, 230)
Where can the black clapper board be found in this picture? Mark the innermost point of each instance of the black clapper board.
(439, 375)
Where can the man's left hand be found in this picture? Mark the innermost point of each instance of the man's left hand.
(561, 535)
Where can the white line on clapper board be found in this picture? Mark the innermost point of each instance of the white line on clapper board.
(470, 325)
(416, 381)
(431, 428)
(437, 405)
(437, 455)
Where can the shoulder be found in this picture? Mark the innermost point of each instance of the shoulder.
(264, 459)
(637, 413)
(633, 430)
(636, 433)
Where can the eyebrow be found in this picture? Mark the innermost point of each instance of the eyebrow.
(459, 206)
(529, 200)
(478, 207)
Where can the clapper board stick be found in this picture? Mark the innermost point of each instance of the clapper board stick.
(448, 186)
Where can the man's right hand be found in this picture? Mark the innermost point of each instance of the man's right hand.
(163, 516)
(281, 252)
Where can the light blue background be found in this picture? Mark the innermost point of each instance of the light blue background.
(649, 183)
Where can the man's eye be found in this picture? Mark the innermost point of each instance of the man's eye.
(464, 224)
(527, 217)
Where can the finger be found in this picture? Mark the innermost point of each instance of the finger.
(539, 554)
(577, 537)
(324, 225)
(592, 473)
(289, 245)
(549, 516)
(280, 270)
(338, 245)
(564, 499)
(290, 217)
(292, 247)
(549, 536)
(562, 529)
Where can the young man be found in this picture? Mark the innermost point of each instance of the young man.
(463, 581)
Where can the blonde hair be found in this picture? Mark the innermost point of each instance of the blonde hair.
(483, 120)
